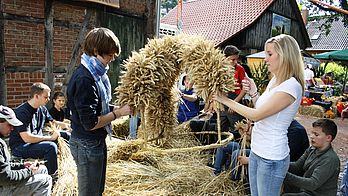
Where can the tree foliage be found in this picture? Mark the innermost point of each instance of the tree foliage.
(170, 4)
(318, 11)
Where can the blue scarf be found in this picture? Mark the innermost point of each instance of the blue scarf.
(98, 71)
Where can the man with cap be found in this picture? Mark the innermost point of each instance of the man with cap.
(16, 178)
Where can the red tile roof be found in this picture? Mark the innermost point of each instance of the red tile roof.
(217, 20)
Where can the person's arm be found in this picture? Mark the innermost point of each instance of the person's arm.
(240, 96)
(282, 99)
(241, 77)
(30, 138)
(116, 113)
(86, 100)
(249, 86)
(191, 98)
(297, 166)
(63, 125)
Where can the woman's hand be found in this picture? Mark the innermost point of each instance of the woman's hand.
(243, 160)
(249, 85)
(220, 97)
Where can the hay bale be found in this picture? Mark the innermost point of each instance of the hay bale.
(179, 174)
(138, 169)
(312, 110)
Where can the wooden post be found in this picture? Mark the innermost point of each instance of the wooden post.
(49, 77)
(3, 90)
(76, 49)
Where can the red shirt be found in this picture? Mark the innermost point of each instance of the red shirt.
(239, 75)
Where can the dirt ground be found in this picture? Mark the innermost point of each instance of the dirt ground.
(340, 143)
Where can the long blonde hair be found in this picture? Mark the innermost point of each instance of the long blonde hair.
(290, 58)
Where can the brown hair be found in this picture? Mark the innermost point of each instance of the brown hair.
(328, 126)
(101, 41)
(38, 88)
(231, 50)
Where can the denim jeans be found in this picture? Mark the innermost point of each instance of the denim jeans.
(266, 176)
(65, 134)
(344, 183)
(90, 158)
(46, 150)
(222, 156)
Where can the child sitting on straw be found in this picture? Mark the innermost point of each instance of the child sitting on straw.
(316, 172)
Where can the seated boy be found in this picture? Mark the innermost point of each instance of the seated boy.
(28, 140)
(316, 172)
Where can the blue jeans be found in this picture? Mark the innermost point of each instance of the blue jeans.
(222, 156)
(65, 134)
(266, 176)
(344, 183)
(90, 158)
(46, 150)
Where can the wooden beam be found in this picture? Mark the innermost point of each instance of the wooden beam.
(329, 6)
(33, 68)
(3, 90)
(76, 49)
(111, 3)
(29, 19)
(49, 78)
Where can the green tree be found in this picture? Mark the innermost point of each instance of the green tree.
(330, 15)
(168, 4)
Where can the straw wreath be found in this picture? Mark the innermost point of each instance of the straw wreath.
(150, 75)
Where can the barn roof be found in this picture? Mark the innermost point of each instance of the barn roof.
(213, 19)
(337, 38)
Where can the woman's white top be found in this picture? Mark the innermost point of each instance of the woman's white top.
(269, 136)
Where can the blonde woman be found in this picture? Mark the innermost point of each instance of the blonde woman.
(274, 110)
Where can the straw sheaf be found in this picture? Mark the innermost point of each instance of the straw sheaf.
(66, 183)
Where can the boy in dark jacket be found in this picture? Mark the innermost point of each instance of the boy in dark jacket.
(316, 172)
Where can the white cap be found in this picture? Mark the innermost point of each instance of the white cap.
(9, 115)
(309, 66)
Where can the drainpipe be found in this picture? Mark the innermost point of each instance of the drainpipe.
(304, 13)
(158, 16)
